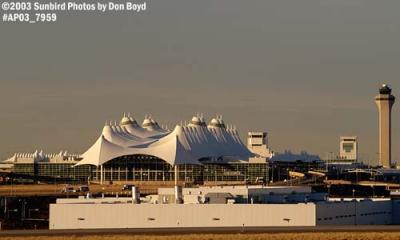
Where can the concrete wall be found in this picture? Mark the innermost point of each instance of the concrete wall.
(354, 213)
(85, 214)
(78, 216)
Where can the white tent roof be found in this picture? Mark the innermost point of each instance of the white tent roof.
(183, 145)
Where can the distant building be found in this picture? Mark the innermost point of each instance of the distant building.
(348, 149)
(385, 101)
(257, 143)
(39, 166)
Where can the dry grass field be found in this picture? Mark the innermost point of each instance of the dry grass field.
(56, 189)
(266, 236)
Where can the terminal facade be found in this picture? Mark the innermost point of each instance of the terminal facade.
(196, 153)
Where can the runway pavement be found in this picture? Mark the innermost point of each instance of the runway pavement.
(224, 230)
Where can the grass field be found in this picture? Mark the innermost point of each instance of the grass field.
(55, 189)
(266, 236)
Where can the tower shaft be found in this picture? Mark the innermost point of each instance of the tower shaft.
(384, 102)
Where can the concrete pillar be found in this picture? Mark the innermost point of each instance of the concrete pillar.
(101, 175)
(178, 189)
(178, 195)
(135, 195)
(176, 175)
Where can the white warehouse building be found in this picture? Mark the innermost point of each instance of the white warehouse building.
(202, 207)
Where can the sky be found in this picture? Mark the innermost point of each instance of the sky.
(304, 71)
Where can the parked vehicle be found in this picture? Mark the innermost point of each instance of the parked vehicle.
(68, 189)
(83, 188)
(127, 187)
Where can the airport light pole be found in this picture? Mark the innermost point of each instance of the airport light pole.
(12, 185)
(328, 157)
(329, 190)
(23, 209)
(326, 163)
(55, 183)
(272, 172)
(355, 207)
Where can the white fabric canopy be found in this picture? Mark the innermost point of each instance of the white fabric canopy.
(183, 145)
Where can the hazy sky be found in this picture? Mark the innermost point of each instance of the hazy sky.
(305, 71)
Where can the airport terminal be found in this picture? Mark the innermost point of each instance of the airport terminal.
(212, 177)
(219, 206)
(130, 152)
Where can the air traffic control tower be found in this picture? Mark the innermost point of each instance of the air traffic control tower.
(385, 101)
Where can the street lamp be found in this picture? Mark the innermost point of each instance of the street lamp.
(55, 183)
(355, 207)
(329, 190)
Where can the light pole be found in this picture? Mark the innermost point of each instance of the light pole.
(355, 207)
(326, 163)
(23, 209)
(373, 191)
(12, 185)
(329, 190)
(55, 183)
(328, 157)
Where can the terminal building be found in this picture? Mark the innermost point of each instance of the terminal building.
(39, 166)
(196, 153)
(257, 143)
(348, 149)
